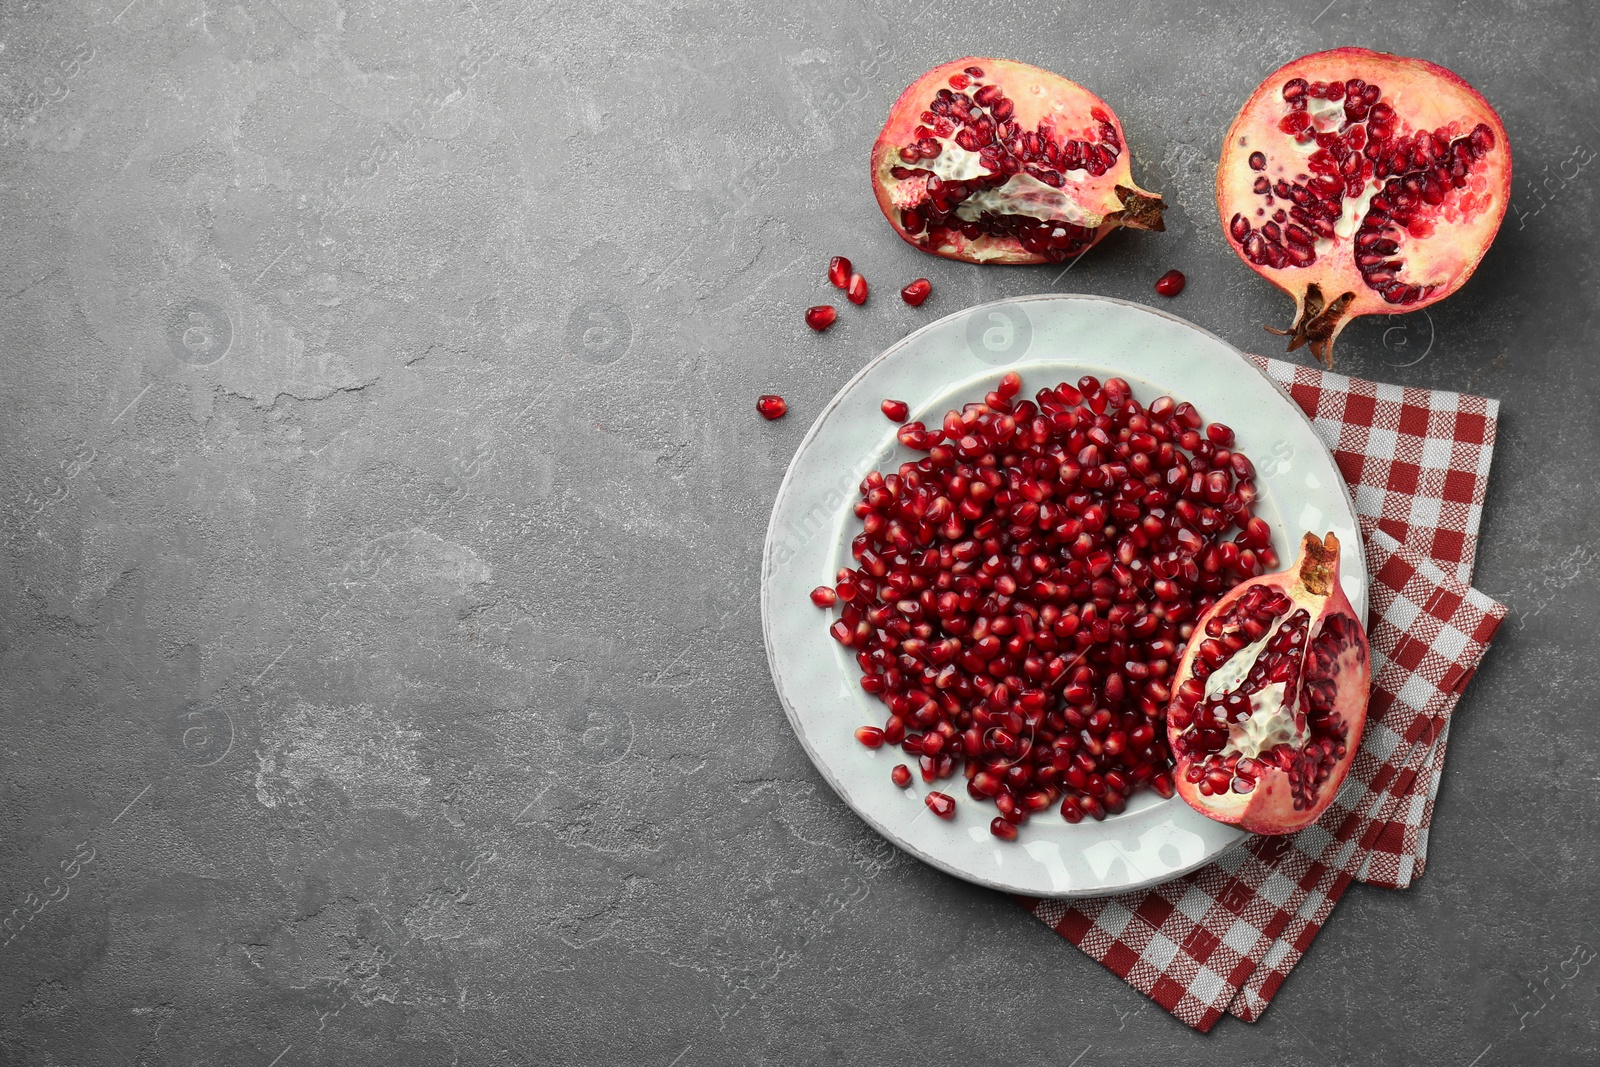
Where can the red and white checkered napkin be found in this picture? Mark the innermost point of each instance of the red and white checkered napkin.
(1223, 939)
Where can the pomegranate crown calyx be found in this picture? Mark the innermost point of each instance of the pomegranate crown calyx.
(1319, 562)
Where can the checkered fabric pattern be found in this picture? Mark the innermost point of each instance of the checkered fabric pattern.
(1417, 460)
(1222, 939)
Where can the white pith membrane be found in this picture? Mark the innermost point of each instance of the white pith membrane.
(1022, 193)
(1272, 719)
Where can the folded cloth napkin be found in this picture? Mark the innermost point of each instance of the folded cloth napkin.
(1222, 939)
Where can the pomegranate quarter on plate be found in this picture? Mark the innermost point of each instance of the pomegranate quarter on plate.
(1362, 183)
(994, 161)
(1270, 698)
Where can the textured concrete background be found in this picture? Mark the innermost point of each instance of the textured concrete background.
(383, 505)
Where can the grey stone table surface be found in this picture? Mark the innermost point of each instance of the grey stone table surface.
(379, 659)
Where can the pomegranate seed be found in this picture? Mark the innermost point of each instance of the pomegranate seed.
(916, 292)
(822, 316)
(1005, 831)
(824, 597)
(870, 736)
(772, 406)
(839, 272)
(1170, 283)
(901, 775)
(941, 805)
(856, 289)
(897, 410)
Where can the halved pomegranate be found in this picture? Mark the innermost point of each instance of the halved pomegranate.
(1362, 183)
(1270, 697)
(994, 161)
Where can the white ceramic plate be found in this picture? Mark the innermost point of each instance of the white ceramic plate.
(1047, 339)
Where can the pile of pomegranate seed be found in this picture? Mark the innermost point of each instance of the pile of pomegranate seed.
(1023, 592)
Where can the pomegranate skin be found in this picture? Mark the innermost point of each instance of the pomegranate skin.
(1400, 220)
(1096, 201)
(1277, 801)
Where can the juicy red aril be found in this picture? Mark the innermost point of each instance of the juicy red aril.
(822, 316)
(1005, 831)
(772, 406)
(1170, 283)
(856, 289)
(901, 775)
(870, 736)
(824, 597)
(896, 410)
(839, 271)
(1023, 589)
(916, 292)
(941, 805)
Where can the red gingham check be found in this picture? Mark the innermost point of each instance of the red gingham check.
(1417, 460)
(1224, 938)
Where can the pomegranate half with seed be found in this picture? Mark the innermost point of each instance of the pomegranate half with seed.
(1270, 698)
(1362, 183)
(994, 161)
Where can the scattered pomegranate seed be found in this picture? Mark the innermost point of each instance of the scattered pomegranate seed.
(1023, 592)
(1005, 831)
(822, 316)
(1170, 283)
(897, 410)
(901, 775)
(772, 406)
(870, 736)
(915, 293)
(824, 597)
(839, 272)
(941, 805)
(856, 289)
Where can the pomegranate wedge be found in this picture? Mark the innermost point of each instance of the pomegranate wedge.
(994, 161)
(1270, 698)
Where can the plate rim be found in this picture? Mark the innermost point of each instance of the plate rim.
(768, 544)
